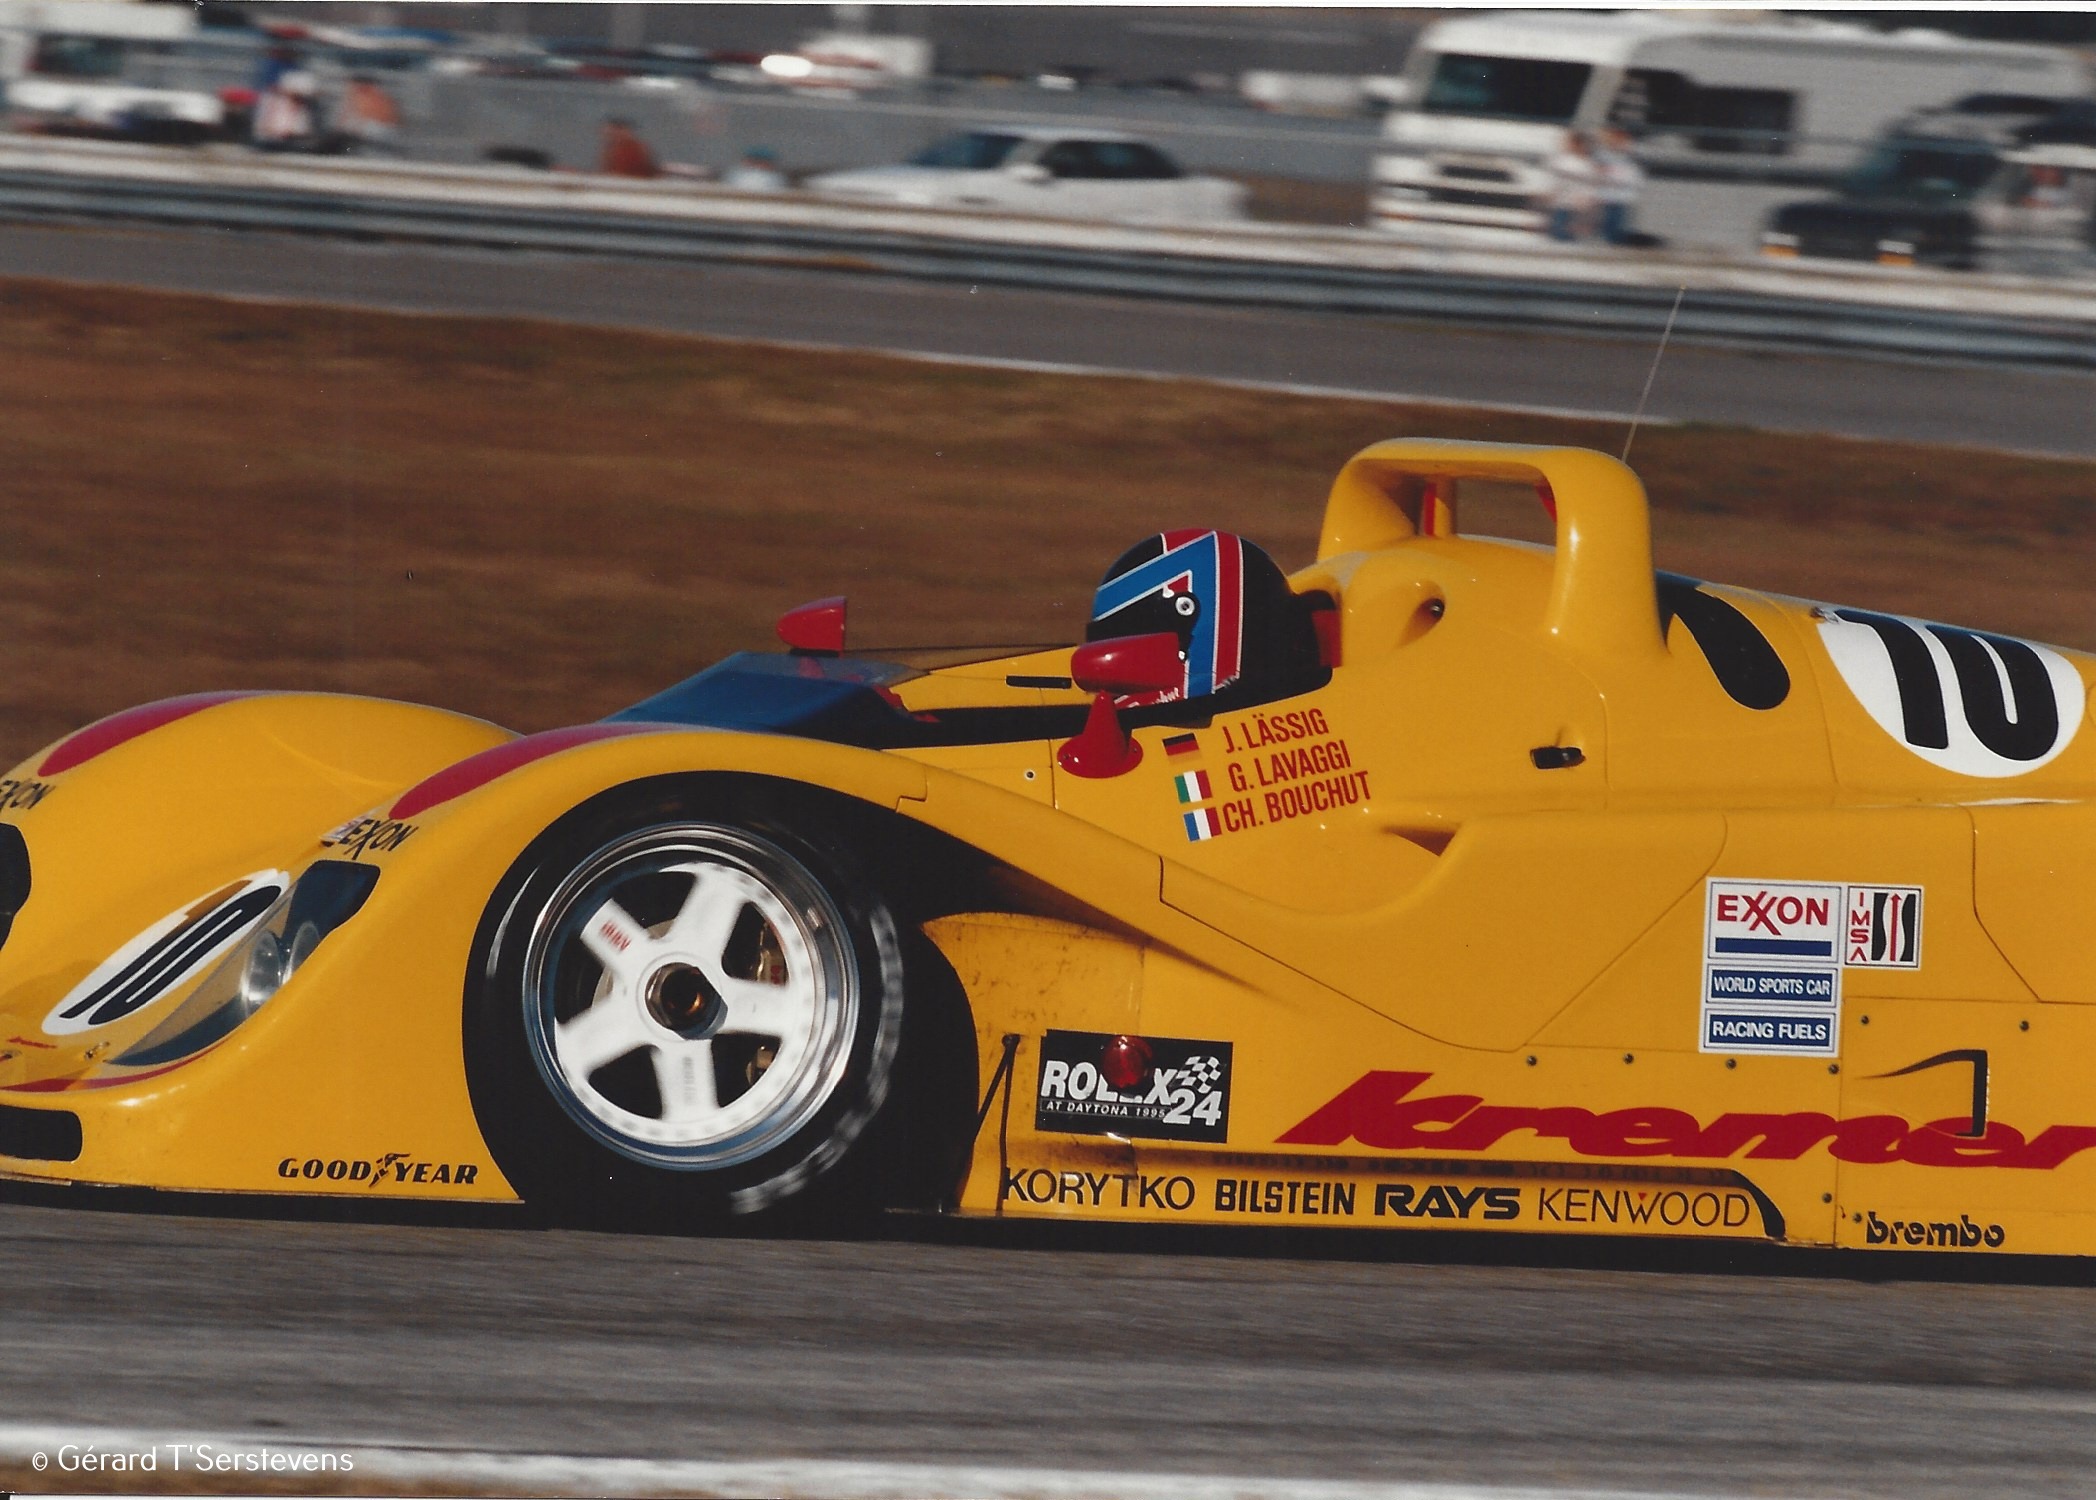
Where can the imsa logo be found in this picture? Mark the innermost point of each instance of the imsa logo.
(171, 951)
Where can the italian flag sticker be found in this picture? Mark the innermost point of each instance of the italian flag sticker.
(1202, 824)
(1192, 786)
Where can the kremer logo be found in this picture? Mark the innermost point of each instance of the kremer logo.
(1378, 1110)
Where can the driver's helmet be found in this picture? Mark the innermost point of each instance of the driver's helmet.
(1238, 622)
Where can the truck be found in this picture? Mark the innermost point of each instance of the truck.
(1794, 99)
(1978, 185)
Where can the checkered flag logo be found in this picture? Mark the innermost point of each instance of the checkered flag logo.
(1200, 1073)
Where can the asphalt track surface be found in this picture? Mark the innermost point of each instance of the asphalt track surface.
(1177, 1354)
(1969, 406)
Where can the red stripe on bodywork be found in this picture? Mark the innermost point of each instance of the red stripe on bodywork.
(68, 1085)
(478, 770)
(107, 734)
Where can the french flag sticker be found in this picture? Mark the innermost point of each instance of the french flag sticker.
(1202, 824)
(1193, 786)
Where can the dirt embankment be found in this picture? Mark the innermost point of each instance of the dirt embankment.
(541, 524)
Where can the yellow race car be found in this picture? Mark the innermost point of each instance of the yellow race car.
(1446, 883)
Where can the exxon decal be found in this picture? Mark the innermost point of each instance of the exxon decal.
(1773, 919)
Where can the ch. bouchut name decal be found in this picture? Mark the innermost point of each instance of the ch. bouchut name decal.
(1380, 1111)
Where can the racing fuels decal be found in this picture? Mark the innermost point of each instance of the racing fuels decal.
(1162, 1088)
(1976, 704)
(1378, 1110)
(1746, 665)
(172, 950)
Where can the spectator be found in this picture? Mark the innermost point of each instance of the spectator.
(1575, 188)
(1622, 180)
(271, 67)
(758, 172)
(2046, 187)
(370, 118)
(285, 116)
(624, 153)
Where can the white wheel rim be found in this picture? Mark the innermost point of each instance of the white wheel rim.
(640, 964)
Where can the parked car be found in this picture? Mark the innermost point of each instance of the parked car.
(1086, 174)
(2005, 183)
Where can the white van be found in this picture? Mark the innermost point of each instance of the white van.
(1795, 99)
(63, 65)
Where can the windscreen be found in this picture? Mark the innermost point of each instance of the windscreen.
(1515, 88)
(976, 151)
(1928, 173)
(78, 57)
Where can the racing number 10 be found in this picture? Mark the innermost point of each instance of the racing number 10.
(2021, 725)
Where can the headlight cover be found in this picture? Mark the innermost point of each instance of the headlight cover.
(326, 895)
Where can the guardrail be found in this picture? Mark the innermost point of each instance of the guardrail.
(1826, 306)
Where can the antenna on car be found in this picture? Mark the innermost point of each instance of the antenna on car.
(1653, 373)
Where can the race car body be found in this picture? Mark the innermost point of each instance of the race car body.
(1446, 883)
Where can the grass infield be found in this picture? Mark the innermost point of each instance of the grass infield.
(540, 524)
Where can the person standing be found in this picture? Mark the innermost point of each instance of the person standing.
(1575, 188)
(1622, 182)
(285, 116)
(370, 118)
(623, 153)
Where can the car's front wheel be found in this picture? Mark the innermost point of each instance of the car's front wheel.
(685, 1008)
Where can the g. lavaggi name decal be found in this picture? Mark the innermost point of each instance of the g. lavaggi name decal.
(1280, 766)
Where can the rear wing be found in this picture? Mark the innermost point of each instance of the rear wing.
(1603, 598)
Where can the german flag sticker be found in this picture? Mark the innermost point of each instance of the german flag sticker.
(1182, 744)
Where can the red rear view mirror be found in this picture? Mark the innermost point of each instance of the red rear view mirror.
(1129, 664)
(1112, 669)
(816, 628)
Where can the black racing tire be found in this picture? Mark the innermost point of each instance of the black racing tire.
(684, 1010)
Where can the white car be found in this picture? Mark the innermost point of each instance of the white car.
(1072, 174)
